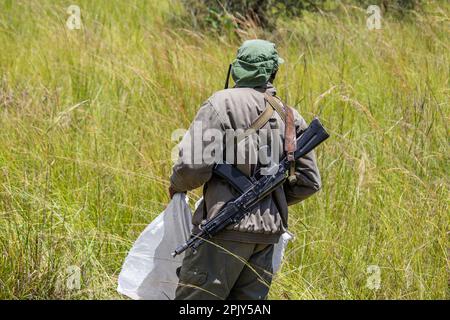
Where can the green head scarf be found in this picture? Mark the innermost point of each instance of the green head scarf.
(256, 60)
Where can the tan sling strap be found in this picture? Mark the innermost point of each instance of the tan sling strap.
(290, 139)
(276, 105)
(271, 105)
(262, 118)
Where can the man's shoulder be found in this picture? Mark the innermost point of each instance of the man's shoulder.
(299, 120)
(234, 103)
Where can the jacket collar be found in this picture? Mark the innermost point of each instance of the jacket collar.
(268, 87)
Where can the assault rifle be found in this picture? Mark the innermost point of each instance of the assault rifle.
(252, 192)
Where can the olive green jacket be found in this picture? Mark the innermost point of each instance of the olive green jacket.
(237, 108)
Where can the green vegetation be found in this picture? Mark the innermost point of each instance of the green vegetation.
(225, 14)
(86, 118)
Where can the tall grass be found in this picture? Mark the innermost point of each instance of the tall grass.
(85, 138)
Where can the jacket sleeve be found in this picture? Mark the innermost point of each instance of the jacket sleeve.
(193, 168)
(306, 171)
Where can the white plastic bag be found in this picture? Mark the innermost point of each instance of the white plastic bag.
(149, 270)
(278, 251)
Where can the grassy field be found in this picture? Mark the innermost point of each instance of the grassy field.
(86, 118)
